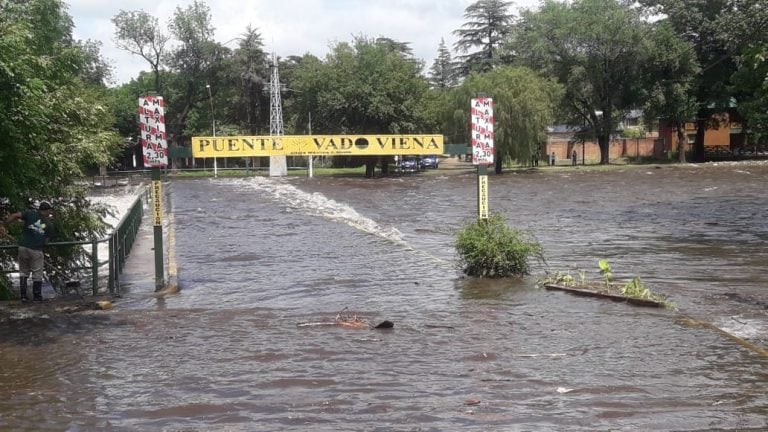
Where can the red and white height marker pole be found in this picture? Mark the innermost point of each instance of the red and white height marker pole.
(482, 148)
(155, 149)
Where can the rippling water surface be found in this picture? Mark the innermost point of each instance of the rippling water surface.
(258, 256)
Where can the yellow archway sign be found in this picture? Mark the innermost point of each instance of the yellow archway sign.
(316, 145)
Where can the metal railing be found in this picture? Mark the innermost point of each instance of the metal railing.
(119, 242)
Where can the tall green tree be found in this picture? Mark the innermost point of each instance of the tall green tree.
(53, 124)
(299, 107)
(670, 79)
(746, 30)
(487, 25)
(524, 104)
(364, 86)
(96, 70)
(595, 48)
(250, 70)
(54, 120)
(197, 61)
(750, 88)
(402, 48)
(720, 31)
(140, 34)
(443, 74)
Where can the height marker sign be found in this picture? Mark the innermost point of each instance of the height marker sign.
(152, 124)
(482, 131)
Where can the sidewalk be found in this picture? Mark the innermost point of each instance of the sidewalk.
(451, 162)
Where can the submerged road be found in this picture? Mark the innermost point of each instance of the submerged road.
(258, 256)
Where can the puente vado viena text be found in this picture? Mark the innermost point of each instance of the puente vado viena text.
(317, 145)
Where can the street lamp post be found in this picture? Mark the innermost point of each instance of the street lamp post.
(213, 121)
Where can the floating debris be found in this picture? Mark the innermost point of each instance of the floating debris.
(349, 321)
(601, 291)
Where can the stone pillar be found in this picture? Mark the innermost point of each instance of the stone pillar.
(278, 166)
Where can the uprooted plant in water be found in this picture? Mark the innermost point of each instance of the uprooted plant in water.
(634, 288)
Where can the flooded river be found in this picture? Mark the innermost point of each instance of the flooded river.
(258, 256)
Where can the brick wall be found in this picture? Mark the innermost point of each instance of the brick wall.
(629, 147)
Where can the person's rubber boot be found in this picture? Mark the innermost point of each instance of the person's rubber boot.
(37, 291)
(23, 290)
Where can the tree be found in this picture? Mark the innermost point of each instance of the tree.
(670, 79)
(720, 31)
(750, 88)
(746, 30)
(54, 124)
(123, 103)
(488, 24)
(197, 61)
(139, 33)
(251, 71)
(203, 81)
(442, 75)
(95, 71)
(595, 49)
(362, 87)
(394, 46)
(524, 104)
(299, 106)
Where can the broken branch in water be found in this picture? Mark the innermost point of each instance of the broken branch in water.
(348, 321)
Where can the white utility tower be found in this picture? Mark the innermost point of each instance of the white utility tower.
(278, 165)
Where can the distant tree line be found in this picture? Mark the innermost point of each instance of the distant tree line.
(583, 63)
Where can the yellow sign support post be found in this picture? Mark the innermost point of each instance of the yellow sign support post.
(482, 193)
(157, 203)
(157, 222)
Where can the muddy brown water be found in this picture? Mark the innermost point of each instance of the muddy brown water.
(258, 256)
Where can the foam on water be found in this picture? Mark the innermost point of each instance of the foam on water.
(119, 202)
(316, 204)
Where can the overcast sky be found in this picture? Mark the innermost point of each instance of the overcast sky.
(289, 27)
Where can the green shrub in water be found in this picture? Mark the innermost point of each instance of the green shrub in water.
(489, 248)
